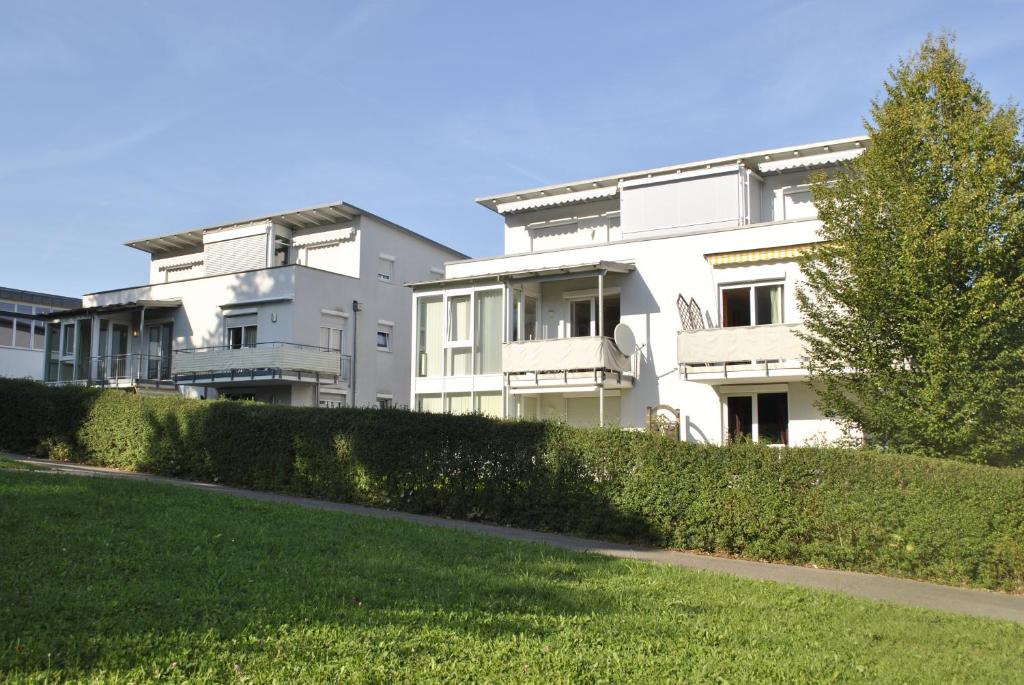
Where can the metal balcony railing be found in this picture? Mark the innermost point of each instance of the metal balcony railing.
(113, 369)
(239, 360)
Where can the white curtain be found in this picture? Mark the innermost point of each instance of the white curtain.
(776, 296)
(431, 338)
(430, 403)
(488, 331)
(489, 403)
(460, 403)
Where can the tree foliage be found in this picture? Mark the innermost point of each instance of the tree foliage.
(915, 302)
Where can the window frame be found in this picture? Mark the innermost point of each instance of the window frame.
(755, 420)
(386, 268)
(387, 330)
(751, 287)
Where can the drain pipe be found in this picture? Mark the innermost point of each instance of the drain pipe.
(356, 308)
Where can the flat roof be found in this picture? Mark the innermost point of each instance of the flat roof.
(108, 308)
(33, 297)
(751, 159)
(308, 217)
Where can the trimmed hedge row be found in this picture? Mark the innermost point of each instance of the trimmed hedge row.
(876, 512)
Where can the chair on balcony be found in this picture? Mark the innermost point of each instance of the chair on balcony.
(690, 316)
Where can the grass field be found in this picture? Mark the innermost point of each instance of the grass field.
(116, 581)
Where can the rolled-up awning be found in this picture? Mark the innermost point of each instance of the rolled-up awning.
(807, 161)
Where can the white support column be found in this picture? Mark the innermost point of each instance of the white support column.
(600, 401)
(94, 348)
(600, 303)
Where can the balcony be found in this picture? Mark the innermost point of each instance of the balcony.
(580, 364)
(742, 354)
(114, 371)
(267, 361)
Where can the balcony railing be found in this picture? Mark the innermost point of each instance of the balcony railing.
(117, 369)
(261, 360)
(563, 354)
(741, 352)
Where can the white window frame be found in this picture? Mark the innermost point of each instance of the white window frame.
(572, 315)
(751, 301)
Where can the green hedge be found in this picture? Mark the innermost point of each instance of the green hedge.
(876, 512)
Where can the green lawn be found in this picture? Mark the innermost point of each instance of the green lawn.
(117, 581)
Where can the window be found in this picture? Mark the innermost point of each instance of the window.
(331, 338)
(386, 268)
(459, 403)
(429, 337)
(581, 320)
(241, 336)
(761, 417)
(385, 402)
(524, 321)
(384, 335)
(490, 404)
(21, 332)
(487, 358)
(429, 403)
(67, 347)
(459, 342)
(748, 305)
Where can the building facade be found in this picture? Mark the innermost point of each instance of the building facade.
(304, 308)
(696, 267)
(22, 333)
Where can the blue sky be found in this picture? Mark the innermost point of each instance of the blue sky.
(127, 120)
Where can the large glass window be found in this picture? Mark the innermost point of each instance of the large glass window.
(430, 337)
(488, 331)
(524, 321)
(748, 305)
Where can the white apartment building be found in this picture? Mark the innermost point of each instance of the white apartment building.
(694, 264)
(22, 334)
(304, 308)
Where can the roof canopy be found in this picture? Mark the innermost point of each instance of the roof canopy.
(110, 309)
(760, 161)
(311, 217)
(536, 274)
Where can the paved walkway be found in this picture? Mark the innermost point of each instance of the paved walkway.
(907, 592)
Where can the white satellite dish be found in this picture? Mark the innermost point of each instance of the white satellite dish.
(624, 339)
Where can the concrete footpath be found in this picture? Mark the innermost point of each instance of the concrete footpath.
(906, 592)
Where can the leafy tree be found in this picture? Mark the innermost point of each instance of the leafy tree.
(915, 304)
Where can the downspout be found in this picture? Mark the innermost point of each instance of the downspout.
(355, 347)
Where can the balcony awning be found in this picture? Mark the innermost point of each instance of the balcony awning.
(763, 254)
(789, 163)
(557, 200)
(108, 309)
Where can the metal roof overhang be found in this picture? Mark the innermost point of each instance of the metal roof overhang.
(110, 309)
(535, 274)
(750, 159)
(311, 217)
